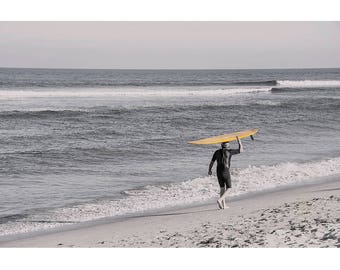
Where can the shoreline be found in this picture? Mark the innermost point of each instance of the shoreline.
(185, 226)
(155, 211)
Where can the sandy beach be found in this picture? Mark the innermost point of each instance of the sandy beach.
(304, 216)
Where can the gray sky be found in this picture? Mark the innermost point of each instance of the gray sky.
(170, 44)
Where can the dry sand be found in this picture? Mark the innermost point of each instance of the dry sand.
(305, 216)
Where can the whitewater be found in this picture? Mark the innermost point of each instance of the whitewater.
(164, 92)
(153, 197)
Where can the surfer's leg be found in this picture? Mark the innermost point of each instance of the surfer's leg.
(219, 201)
(222, 198)
(227, 183)
(223, 188)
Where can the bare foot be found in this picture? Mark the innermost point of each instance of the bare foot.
(224, 205)
(220, 205)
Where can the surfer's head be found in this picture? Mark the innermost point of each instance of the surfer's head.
(225, 145)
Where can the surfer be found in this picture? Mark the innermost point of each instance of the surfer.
(223, 157)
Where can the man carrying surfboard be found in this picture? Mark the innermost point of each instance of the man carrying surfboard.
(223, 157)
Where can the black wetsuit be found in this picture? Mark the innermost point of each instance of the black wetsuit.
(223, 156)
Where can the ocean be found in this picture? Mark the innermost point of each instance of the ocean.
(80, 145)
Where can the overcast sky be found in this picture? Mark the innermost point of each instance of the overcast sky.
(196, 45)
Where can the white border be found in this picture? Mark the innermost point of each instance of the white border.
(163, 10)
(171, 259)
(156, 10)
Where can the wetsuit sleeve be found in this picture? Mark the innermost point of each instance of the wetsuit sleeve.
(214, 157)
(212, 162)
(236, 151)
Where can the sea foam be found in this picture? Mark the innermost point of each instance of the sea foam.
(125, 93)
(309, 83)
(198, 190)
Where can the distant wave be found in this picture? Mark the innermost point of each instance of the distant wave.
(288, 89)
(309, 83)
(88, 84)
(175, 194)
(109, 111)
(304, 85)
(103, 84)
(129, 93)
(183, 90)
(269, 83)
(39, 113)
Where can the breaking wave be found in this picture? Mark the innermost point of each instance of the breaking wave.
(130, 93)
(309, 83)
(153, 197)
(164, 92)
(269, 83)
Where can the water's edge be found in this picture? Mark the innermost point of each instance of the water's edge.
(108, 220)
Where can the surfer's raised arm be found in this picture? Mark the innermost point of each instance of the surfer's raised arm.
(211, 164)
(240, 146)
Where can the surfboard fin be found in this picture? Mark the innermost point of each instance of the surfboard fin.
(252, 137)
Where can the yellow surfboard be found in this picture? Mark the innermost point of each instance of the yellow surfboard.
(226, 137)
